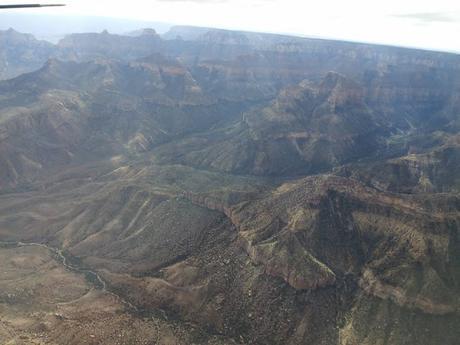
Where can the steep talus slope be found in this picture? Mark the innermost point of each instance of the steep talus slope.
(125, 216)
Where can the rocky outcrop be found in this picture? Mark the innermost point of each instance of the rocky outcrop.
(435, 171)
(288, 259)
(282, 257)
(336, 225)
(373, 286)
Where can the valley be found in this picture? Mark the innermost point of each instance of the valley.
(43, 303)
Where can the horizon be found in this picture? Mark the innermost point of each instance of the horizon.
(162, 28)
(412, 24)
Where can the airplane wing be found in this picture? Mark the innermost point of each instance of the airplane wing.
(5, 7)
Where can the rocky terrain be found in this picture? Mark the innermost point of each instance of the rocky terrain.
(68, 310)
(228, 188)
(20, 53)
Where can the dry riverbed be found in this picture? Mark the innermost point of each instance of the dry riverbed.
(44, 302)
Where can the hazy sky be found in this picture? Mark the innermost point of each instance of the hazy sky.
(433, 24)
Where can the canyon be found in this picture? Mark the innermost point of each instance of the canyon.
(228, 188)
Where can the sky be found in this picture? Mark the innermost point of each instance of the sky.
(433, 24)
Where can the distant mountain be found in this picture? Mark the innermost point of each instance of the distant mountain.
(53, 28)
(99, 107)
(307, 129)
(82, 47)
(20, 53)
